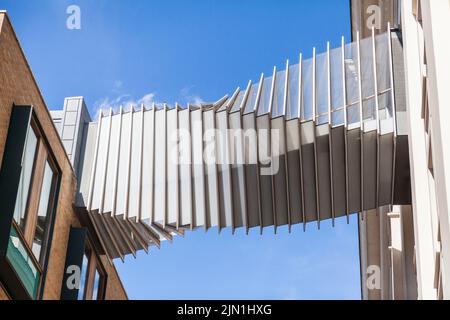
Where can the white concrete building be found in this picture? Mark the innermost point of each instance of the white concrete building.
(411, 243)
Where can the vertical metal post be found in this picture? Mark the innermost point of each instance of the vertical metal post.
(285, 102)
(314, 86)
(394, 114)
(377, 117)
(245, 98)
(344, 100)
(330, 137)
(329, 84)
(272, 90)
(315, 116)
(286, 89)
(361, 121)
(299, 116)
(258, 95)
(300, 89)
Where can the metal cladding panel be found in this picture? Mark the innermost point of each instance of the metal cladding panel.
(224, 170)
(102, 220)
(281, 192)
(125, 226)
(265, 170)
(210, 157)
(237, 157)
(386, 169)
(293, 99)
(101, 163)
(252, 185)
(122, 189)
(144, 236)
(313, 142)
(308, 169)
(294, 171)
(98, 223)
(160, 167)
(370, 169)
(135, 166)
(354, 170)
(119, 239)
(198, 174)
(324, 171)
(185, 168)
(110, 184)
(128, 238)
(172, 168)
(148, 164)
(86, 165)
(338, 150)
(238, 171)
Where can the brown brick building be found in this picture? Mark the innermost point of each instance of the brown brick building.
(46, 251)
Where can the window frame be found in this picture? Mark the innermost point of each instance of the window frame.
(43, 155)
(94, 265)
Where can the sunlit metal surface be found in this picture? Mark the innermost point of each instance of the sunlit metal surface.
(312, 142)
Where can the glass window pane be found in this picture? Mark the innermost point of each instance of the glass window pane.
(238, 101)
(95, 294)
(337, 87)
(292, 107)
(307, 92)
(278, 101)
(367, 76)
(25, 179)
(322, 88)
(21, 261)
(43, 211)
(264, 103)
(383, 76)
(352, 82)
(251, 100)
(83, 277)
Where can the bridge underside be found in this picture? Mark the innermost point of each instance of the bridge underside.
(316, 141)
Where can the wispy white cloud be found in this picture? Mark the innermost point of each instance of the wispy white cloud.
(124, 100)
(119, 99)
(188, 96)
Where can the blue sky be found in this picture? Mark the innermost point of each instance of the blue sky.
(185, 51)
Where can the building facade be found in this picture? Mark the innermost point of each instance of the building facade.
(46, 250)
(407, 246)
(359, 129)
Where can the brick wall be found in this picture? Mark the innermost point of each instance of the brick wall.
(3, 294)
(18, 86)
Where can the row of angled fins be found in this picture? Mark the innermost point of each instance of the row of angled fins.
(150, 174)
(314, 173)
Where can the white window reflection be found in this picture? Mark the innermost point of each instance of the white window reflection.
(84, 269)
(96, 286)
(43, 214)
(25, 179)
